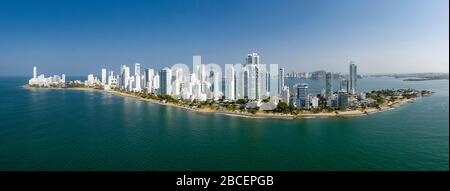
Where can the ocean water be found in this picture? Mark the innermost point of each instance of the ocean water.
(90, 130)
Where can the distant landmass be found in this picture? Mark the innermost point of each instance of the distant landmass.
(417, 76)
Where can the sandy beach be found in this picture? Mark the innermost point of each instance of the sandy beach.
(259, 114)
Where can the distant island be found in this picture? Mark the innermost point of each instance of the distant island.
(417, 76)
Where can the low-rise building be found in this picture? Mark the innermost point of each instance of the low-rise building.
(270, 105)
(253, 104)
(314, 102)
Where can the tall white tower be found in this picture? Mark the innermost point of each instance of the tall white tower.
(155, 82)
(137, 77)
(216, 85)
(229, 82)
(148, 79)
(254, 86)
(103, 76)
(34, 72)
(137, 69)
(110, 77)
(124, 76)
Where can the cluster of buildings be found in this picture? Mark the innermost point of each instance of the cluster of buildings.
(250, 80)
(345, 97)
(262, 86)
(316, 75)
(43, 81)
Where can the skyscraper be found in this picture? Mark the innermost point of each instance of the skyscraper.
(112, 81)
(280, 80)
(137, 77)
(103, 76)
(302, 99)
(252, 59)
(229, 82)
(252, 82)
(165, 81)
(131, 83)
(344, 85)
(262, 82)
(328, 85)
(155, 82)
(253, 88)
(176, 88)
(148, 78)
(285, 96)
(214, 80)
(241, 81)
(124, 77)
(246, 84)
(177, 76)
(137, 69)
(352, 78)
(273, 84)
(342, 99)
(34, 72)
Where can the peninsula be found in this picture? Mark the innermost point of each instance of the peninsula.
(383, 100)
(248, 90)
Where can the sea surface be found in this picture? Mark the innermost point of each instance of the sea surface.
(45, 129)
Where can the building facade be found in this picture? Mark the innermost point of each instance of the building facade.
(302, 96)
(328, 85)
(165, 81)
(352, 78)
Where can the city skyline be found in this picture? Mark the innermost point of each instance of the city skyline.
(250, 82)
(78, 36)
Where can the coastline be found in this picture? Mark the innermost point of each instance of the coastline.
(259, 114)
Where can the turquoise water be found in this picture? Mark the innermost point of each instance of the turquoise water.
(88, 130)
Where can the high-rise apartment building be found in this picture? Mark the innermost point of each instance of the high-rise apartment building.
(103, 76)
(328, 85)
(252, 59)
(165, 81)
(230, 82)
(352, 78)
(137, 77)
(273, 78)
(34, 72)
(285, 95)
(342, 99)
(302, 96)
(124, 77)
(280, 80)
(344, 85)
(148, 80)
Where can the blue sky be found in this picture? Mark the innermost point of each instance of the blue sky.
(79, 37)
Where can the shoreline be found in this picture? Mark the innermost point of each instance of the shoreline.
(258, 115)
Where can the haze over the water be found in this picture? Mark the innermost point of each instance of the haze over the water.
(79, 37)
